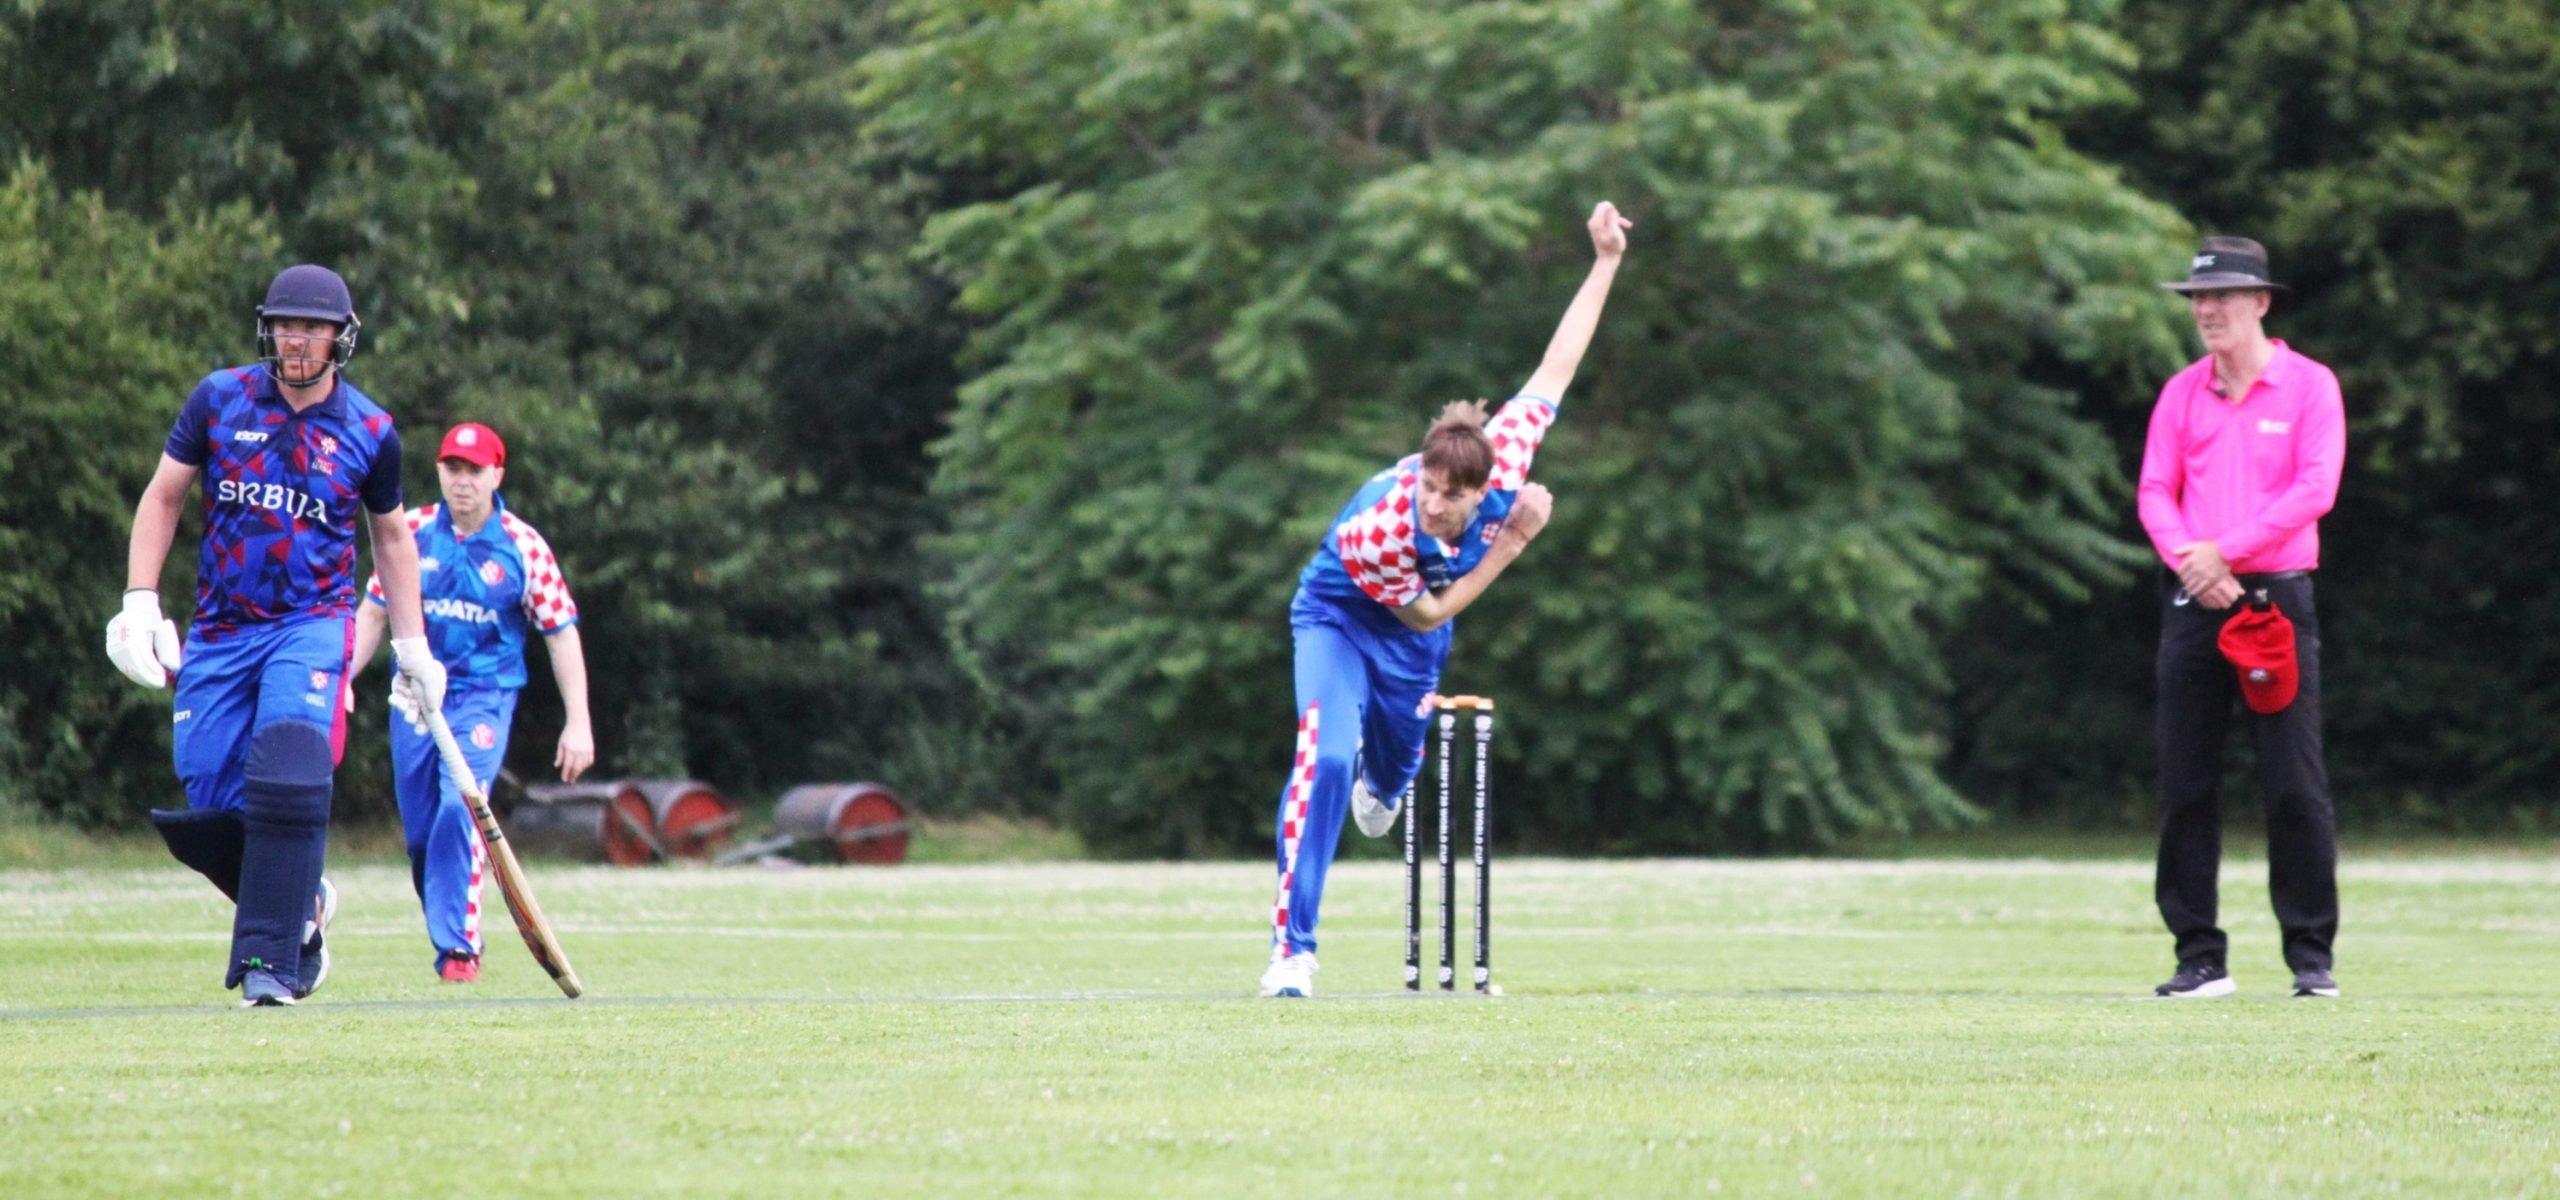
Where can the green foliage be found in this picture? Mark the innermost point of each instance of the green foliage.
(1270, 241)
(101, 329)
(1158, 285)
(149, 100)
(2393, 159)
(673, 276)
(648, 245)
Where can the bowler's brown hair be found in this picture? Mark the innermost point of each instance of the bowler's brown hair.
(1457, 446)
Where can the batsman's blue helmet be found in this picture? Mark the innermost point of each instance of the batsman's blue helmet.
(313, 293)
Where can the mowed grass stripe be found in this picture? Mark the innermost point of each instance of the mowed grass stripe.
(1923, 1028)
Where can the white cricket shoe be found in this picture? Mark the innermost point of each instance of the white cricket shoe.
(1292, 975)
(315, 943)
(1373, 817)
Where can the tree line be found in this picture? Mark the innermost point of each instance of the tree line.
(948, 394)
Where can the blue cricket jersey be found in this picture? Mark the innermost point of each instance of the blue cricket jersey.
(1376, 558)
(482, 591)
(283, 494)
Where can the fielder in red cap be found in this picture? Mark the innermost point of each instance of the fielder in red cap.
(476, 444)
(486, 576)
(2241, 462)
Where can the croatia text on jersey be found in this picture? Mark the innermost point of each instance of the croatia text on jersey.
(444, 608)
(484, 592)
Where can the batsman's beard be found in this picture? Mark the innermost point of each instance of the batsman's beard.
(285, 371)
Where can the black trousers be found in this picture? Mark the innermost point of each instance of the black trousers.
(2199, 696)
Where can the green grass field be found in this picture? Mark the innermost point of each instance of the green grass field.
(1920, 1027)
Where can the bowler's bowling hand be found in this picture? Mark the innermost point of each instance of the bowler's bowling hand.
(1529, 512)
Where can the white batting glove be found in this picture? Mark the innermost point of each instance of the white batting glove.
(407, 708)
(142, 643)
(421, 681)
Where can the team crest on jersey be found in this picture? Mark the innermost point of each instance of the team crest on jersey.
(483, 736)
(1492, 530)
(319, 680)
(328, 445)
(492, 574)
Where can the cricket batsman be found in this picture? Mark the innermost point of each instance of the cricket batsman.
(1372, 620)
(293, 459)
(485, 575)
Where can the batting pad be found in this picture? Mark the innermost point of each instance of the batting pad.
(287, 840)
(209, 841)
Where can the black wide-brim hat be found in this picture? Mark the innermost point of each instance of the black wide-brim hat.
(2223, 269)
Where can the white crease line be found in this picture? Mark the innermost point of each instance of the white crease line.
(320, 1010)
(766, 933)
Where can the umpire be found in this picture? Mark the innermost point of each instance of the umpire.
(2241, 462)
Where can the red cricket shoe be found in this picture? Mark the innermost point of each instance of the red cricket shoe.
(458, 968)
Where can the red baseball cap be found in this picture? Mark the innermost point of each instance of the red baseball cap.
(474, 443)
(2259, 643)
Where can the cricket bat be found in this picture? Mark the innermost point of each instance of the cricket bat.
(502, 859)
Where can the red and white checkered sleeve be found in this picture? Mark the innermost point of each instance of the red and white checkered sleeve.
(1515, 433)
(1377, 548)
(547, 602)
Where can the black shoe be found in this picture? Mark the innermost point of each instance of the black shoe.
(2314, 982)
(2197, 981)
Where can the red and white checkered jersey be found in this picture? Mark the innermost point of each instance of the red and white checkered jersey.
(1376, 549)
(482, 591)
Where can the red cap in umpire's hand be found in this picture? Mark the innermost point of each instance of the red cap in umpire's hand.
(473, 442)
(2259, 642)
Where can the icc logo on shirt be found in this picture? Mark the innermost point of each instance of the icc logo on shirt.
(483, 736)
(492, 573)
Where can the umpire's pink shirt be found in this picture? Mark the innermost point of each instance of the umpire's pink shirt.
(2255, 476)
